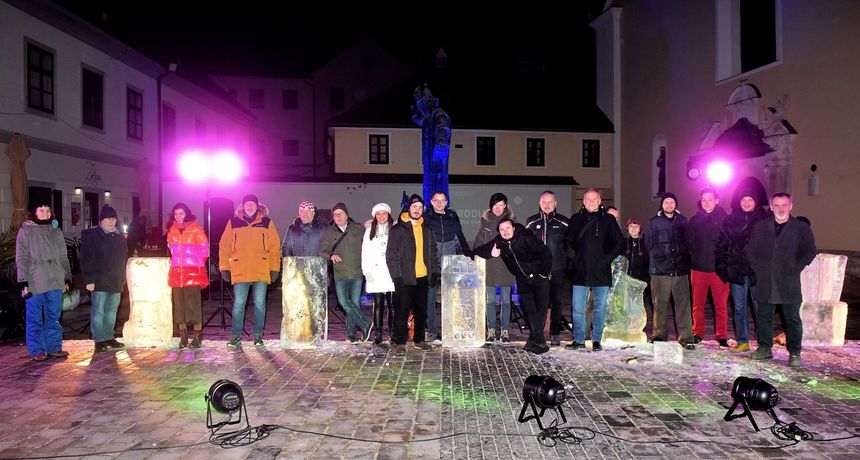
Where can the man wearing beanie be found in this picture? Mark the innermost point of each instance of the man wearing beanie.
(249, 258)
(341, 244)
(303, 236)
(104, 253)
(665, 240)
(412, 262)
(450, 241)
(731, 262)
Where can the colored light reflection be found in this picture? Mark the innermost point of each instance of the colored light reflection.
(719, 172)
(199, 166)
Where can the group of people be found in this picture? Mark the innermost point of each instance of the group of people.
(44, 274)
(395, 257)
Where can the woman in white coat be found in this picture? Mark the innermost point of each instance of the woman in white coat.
(379, 283)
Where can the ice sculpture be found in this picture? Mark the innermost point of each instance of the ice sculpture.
(464, 301)
(824, 316)
(668, 353)
(304, 302)
(150, 318)
(625, 308)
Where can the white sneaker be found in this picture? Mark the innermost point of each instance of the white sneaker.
(491, 335)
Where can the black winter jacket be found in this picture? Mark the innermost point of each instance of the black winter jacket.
(526, 257)
(731, 263)
(400, 253)
(551, 229)
(637, 256)
(303, 239)
(703, 231)
(665, 240)
(103, 259)
(446, 227)
(778, 260)
(593, 240)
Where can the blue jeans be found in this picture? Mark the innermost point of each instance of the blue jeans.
(103, 315)
(240, 297)
(739, 303)
(44, 333)
(491, 307)
(579, 297)
(349, 296)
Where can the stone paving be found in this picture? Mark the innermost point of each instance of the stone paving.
(152, 398)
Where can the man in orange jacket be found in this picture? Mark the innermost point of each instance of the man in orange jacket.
(250, 255)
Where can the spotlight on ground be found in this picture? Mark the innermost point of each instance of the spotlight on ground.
(226, 398)
(544, 392)
(754, 394)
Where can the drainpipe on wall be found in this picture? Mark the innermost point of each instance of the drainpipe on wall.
(313, 126)
(160, 130)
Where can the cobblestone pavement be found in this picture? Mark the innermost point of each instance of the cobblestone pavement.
(151, 398)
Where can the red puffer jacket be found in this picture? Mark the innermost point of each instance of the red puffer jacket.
(189, 249)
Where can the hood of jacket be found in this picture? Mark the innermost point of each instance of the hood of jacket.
(749, 186)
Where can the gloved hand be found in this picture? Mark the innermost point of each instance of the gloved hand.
(275, 275)
(435, 280)
(225, 275)
(468, 253)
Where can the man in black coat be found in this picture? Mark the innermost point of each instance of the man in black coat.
(731, 262)
(703, 231)
(593, 240)
(779, 249)
(413, 265)
(666, 242)
(550, 227)
(303, 236)
(531, 262)
(103, 257)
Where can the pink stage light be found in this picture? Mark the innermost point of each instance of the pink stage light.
(719, 172)
(193, 166)
(226, 166)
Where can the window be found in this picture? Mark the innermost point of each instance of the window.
(40, 78)
(758, 33)
(485, 150)
(257, 98)
(378, 149)
(291, 147)
(291, 99)
(134, 114)
(336, 99)
(168, 125)
(590, 153)
(92, 99)
(200, 129)
(535, 152)
(749, 36)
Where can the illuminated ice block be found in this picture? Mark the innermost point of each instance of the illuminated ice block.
(150, 318)
(668, 353)
(304, 302)
(464, 301)
(625, 307)
(824, 316)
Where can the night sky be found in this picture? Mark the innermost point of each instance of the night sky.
(269, 40)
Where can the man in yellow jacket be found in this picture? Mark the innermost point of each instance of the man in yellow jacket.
(250, 259)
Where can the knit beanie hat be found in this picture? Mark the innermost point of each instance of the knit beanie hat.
(107, 212)
(380, 207)
(340, 206)
(250, 197)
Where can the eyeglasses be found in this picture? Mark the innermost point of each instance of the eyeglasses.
(439, 201)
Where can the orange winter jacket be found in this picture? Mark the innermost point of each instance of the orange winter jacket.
(250, 250)
(189, 249)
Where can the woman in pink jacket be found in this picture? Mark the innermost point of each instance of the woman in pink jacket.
(189, 249)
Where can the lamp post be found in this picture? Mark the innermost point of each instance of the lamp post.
(221, 166)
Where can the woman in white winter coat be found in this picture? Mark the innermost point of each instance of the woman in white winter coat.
(379, 283)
